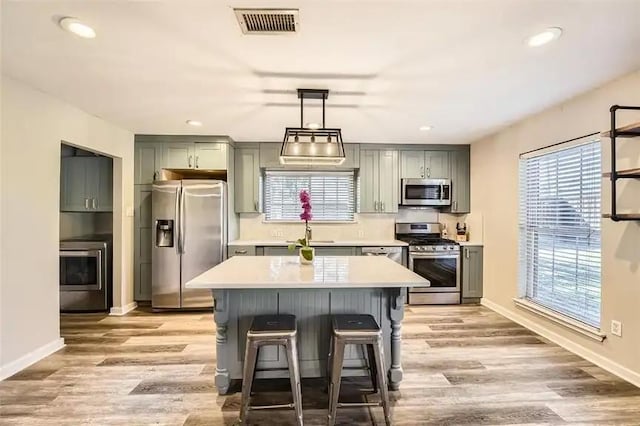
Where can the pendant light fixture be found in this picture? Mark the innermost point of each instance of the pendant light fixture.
(312, 145)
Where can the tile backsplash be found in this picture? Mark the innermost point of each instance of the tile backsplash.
(366, 226)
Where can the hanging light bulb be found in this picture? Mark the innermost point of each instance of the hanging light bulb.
(328, 138)
(296, 139)
(313, 138)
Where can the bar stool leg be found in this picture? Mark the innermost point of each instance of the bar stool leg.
(336, 373)
(382, 381)
(373, 371)
(294, 376)
(250, 357)
(329, 361)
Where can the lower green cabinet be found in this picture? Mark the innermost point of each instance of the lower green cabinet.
(471, 273)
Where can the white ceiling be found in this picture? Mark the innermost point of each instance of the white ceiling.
(459, 65)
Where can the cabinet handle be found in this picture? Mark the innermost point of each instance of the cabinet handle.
(93, 203)
(375, 205)
(155, 176)
(190, 157)
(255, 206)
(455, 206)
(428, 172)
(466, 253)
(382, 205)
(86, 203)
(240, 252)
(421, 171)
(197, 158)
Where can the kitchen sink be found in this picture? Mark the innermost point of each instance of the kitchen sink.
(313, 241)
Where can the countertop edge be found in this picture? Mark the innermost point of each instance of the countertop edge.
(344, 243)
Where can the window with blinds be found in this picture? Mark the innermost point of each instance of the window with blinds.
(332, 195)
(560, 231)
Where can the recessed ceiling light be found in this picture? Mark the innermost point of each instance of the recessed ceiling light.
(78, 28)
(194, 123)
(425, 128)
(544, 37)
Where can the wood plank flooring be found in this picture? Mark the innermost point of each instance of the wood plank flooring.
(463, 365)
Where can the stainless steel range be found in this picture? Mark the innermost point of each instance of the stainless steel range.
(434, 258)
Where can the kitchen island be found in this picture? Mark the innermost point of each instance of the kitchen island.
(245, 286)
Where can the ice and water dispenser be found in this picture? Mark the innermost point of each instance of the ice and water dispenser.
(164, 233)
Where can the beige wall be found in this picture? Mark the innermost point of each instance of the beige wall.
(33, 126)
(494, 192)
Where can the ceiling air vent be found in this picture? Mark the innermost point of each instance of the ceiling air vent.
(267, 21)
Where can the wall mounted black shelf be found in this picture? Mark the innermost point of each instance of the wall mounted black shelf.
(629, 131)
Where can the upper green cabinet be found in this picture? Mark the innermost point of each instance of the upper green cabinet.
(424, 164)
(247, 184)
(86, 184)
(378, 181)
(460, 183)
(148, 162)
(196, 155)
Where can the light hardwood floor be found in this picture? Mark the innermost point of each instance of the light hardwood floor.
(463, 365)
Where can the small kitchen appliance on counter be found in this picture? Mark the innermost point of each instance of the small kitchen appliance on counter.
(462, 234)
(435, 259)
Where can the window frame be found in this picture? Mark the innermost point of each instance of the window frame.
(350, 172)
(526, 290)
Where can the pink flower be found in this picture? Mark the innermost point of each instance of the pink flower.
(305, 197)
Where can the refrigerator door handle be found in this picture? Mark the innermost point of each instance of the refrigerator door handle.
(182, 219)
(178, 222)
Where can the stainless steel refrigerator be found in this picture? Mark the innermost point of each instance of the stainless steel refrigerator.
(190, 237)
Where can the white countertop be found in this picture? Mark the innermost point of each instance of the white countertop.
(321, 243)
(286, 272)
(470, 243)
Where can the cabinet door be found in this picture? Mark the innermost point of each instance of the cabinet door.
(369, 181)
(270, 155)
(147, 163)
(73, 182)
(143, 240)
(460, 195)
(279, 251)
(178, 156)
(436, 164)
(247, 184)
(388, 182)
(210, 156)
(471, 271)
(412, 164)
(102, 171)
(335, 251)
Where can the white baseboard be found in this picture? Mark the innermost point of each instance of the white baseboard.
(30, 358)
(599, 360)
(123, 310)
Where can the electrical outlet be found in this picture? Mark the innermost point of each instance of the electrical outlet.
(616, 328)
(361, 234)
(274, 233)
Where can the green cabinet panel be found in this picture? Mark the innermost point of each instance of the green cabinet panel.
(241, 251)
(335, 251)
(412, 164)
(436, 164)
(460, 183)
(86, 184)
(73, 184)
(211, 156)
(369, 181)
(178, 156)
(143, 240)
(279, 251)
(379, 182)
(247, 183)
(471, 272)
(148, 162)
(389, 182)
(424, 164)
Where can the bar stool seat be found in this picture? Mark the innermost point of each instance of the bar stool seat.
(271, 330)
(359, 330)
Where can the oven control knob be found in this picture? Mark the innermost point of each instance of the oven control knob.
(433, 248)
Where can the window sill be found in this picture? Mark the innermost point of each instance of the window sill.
(560, 319)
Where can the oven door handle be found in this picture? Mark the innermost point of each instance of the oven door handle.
(434, 256)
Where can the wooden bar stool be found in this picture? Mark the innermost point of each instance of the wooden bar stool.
(357, 330)
(265, 330)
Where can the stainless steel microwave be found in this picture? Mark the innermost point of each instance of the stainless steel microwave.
(426, 192)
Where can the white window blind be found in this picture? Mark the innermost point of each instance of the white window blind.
(560, 231)
(332, 195)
